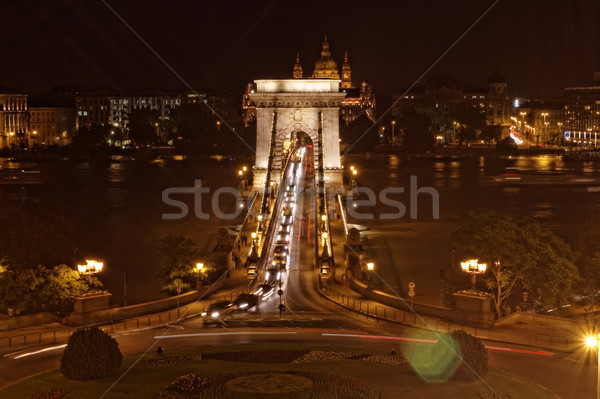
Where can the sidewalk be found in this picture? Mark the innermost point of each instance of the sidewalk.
(522, 334)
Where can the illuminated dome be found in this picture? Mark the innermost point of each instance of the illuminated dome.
(325, 66)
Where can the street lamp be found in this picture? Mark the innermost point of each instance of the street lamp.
(199, 270)
(393, 126)
(91, 267)
(592, 341)
(370, 266)
(523, 131)
(474, 267)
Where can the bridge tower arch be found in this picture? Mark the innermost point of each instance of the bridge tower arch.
(287, 106)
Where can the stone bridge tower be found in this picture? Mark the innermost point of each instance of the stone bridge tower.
(288, 106)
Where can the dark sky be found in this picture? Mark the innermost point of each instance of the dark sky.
(540, 46)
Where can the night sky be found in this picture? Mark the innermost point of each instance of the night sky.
(539, 46)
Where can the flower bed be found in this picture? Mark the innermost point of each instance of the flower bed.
(170, 360)
(257, 356)
(49, 395)
(325, 386)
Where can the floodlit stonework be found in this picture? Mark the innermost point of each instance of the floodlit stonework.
(292, 106)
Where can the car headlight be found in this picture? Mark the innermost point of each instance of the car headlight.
(215, 314)
(203, 314)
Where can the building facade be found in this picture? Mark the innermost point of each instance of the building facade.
(14, 120)
(541, 122)
(582, 113)
(358, 101)
(51, 125)
(445, 93)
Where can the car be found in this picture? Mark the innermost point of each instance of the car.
(245, 301)
(264, 291)
(280, 261)
(217, 309)
(284, 229)
(325, 271)
(281, 242)
(283, 238)
(280, 249)
(273, 275)
(287, 220)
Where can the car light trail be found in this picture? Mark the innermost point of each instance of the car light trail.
(498, 348)
(429, 341)
(40, 351)
(227, 333)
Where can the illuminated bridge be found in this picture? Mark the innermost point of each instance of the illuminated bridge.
(297, 174)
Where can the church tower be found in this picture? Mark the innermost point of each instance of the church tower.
(325, 66)
(346, 73)
(298, 74)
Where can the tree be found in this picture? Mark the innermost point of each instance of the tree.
(88, 138)
(18, 288)
(507, 146)
(470, 121)
(417, 137)
(143, 126)
(180, 255)
(60, 286)
(90, 353)
(518, 251)
(359, 135)
(39, 289)
(474, 359)
(491, 133)
(588, 248)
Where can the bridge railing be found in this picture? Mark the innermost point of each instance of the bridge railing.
(61, 335)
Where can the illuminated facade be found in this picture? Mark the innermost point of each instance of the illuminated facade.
(51, 125)
(14, 120)
(582, 113)
(358, 101)
(541, 122)
(286, 107)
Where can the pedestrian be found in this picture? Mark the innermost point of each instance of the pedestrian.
(160, 350)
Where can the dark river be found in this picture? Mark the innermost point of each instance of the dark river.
(118, 208)
(557, 194)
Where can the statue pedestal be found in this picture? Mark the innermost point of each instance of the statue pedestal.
(95, 300)
(474, 306)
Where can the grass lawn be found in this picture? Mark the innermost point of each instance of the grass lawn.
(145, 380)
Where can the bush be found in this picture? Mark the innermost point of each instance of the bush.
(474, 356)
(90, 354)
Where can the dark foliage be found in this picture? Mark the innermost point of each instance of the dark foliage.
(90, 354)
(474, 363)
(507, 146)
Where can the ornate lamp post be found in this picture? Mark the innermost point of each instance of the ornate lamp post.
(474, 267)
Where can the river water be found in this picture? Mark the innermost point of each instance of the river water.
(555, 193)
(118, 209)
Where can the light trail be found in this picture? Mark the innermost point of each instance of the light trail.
(429, 341)
(39, 351)
(226, 334)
